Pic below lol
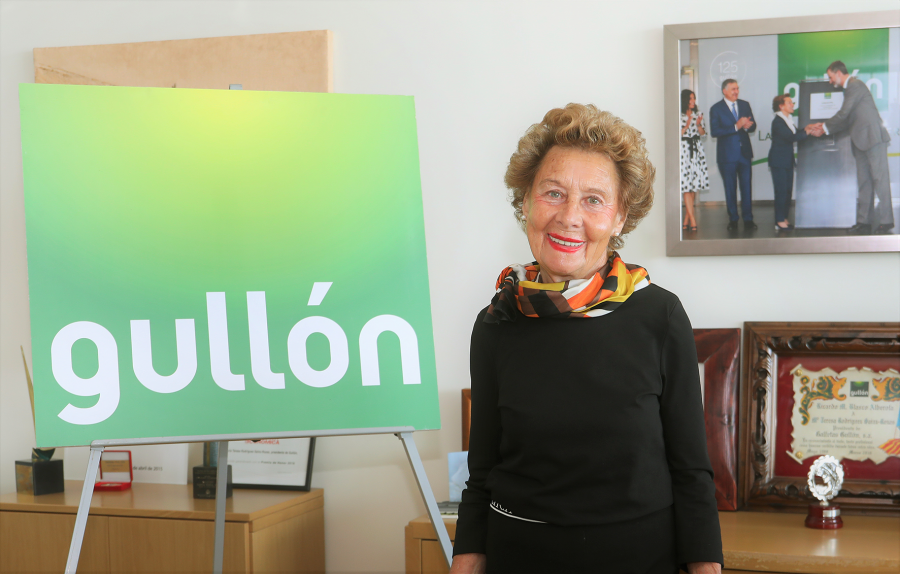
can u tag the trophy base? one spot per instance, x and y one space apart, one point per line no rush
824 517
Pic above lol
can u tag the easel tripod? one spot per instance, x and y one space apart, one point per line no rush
405 434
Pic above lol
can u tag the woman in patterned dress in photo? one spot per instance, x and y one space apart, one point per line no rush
694 175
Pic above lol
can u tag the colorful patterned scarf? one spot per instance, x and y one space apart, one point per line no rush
517 287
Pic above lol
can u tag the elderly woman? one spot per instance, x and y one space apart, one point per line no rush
587 450
781 158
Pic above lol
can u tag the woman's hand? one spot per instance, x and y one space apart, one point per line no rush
470 564
700 125
704 568
687 123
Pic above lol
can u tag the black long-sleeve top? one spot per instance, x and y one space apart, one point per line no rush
781 152
591 421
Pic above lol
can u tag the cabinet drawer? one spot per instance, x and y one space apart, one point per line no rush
39 542
153 545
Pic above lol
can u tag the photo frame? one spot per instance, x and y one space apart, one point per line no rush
718 351
715 240
272 464
777 356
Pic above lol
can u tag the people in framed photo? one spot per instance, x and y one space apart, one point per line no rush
818 171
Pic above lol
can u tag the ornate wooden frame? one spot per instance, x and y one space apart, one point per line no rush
719 351
764 343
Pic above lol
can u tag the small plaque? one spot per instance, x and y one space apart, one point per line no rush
205 482
115 470
108 466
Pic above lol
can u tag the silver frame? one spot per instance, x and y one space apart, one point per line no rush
672 35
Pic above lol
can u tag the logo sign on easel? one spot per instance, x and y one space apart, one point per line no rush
218 262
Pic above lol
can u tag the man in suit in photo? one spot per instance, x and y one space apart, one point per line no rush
731 120
869 140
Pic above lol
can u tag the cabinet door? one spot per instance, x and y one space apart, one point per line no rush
154 545
39 542
433 561
295 545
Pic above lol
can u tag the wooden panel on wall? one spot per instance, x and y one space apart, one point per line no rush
293 545
290 62
154 545
32 541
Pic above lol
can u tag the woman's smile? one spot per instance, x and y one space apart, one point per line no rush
565 244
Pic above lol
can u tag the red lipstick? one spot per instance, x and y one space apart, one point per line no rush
561 246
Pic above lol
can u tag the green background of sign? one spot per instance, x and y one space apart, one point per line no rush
139 201
808 55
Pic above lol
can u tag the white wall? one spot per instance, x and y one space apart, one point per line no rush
481 73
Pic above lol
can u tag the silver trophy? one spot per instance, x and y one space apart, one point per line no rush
825 515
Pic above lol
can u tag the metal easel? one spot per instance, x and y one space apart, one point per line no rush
405 434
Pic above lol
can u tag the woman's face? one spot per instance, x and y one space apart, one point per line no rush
692 102
571 212
787 106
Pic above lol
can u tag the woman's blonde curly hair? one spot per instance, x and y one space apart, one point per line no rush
590 129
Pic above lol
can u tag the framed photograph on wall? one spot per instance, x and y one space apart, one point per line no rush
813 389
728 186
718 352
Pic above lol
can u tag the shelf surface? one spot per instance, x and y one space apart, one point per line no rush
779 542
162 501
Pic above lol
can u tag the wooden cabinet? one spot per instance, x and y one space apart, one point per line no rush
162 528
752 542
33 542
423 551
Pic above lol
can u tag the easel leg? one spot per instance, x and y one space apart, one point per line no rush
84 508
221 497
425 489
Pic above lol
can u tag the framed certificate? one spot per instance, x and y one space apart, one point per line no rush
812 389
275 464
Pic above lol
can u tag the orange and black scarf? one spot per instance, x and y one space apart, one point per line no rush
517 288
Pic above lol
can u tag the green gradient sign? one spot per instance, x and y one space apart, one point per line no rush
808 55
215 262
